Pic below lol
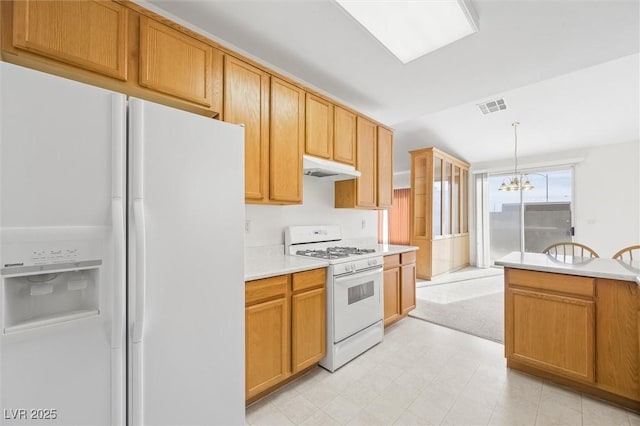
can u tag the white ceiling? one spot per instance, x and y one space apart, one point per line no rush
568 70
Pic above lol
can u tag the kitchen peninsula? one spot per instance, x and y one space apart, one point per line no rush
575 321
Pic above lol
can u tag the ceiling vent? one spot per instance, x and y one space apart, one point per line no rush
492 106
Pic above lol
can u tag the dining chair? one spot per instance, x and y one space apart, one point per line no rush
628 253
570 249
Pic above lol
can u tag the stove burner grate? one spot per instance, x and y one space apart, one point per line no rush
334 252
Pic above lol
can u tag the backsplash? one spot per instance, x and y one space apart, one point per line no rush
266 223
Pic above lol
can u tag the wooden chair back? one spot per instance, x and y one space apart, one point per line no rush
628 253
570 249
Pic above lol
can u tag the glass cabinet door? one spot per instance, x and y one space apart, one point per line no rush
419 197
464 201
455 201
446 199
436 214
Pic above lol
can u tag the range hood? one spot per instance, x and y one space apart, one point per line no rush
328 170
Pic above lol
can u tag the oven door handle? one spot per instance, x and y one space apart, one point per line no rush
360 273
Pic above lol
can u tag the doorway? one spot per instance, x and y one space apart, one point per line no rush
547 212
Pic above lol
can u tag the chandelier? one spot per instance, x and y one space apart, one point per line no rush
513 184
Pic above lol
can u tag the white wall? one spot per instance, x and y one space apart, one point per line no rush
267 223
607 198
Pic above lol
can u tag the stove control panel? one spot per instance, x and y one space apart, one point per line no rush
354 266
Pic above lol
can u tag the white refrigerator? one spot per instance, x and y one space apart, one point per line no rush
121 255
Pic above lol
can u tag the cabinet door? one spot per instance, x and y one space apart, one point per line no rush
617 358
366 163
385 167
553 333
267 345
286 142
436 196
308 335
344 142
408 288
88 34
319 127
391 295
246 101
174 63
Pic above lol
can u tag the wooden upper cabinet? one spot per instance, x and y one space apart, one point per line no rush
246 101
366 156
286 142
177 64
385 167
88 34
374 160
319 127
344 139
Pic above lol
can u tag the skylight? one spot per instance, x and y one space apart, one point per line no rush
412 28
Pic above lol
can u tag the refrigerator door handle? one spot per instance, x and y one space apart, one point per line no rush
117 334
118 103
136 141
118 228
140 261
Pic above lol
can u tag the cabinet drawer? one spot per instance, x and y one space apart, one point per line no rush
408 257
569 284
309 279
265 289
391 261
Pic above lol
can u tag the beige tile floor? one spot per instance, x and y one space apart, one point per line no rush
424 374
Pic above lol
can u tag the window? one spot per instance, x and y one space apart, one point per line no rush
547 212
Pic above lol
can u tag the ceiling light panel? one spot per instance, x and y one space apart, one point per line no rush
412 28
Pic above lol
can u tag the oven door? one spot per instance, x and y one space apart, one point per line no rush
357 302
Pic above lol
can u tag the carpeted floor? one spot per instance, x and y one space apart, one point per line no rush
474 306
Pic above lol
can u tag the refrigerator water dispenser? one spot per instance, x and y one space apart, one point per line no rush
40 299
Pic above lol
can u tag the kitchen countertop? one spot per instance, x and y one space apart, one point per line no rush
597 268
388 249
265 262
270 261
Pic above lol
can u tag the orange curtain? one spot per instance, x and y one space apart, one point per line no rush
398 216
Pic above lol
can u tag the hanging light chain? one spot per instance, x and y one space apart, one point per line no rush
515 125
515 183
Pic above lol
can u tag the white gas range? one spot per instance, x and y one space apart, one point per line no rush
354 290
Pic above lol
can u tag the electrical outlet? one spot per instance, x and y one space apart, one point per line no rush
247 226
364 223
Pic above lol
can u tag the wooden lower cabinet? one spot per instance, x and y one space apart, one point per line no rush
580 331
308 318
285 328
399 286
407 283
554 332
267 324
617 331
267 343
391 292
308 321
